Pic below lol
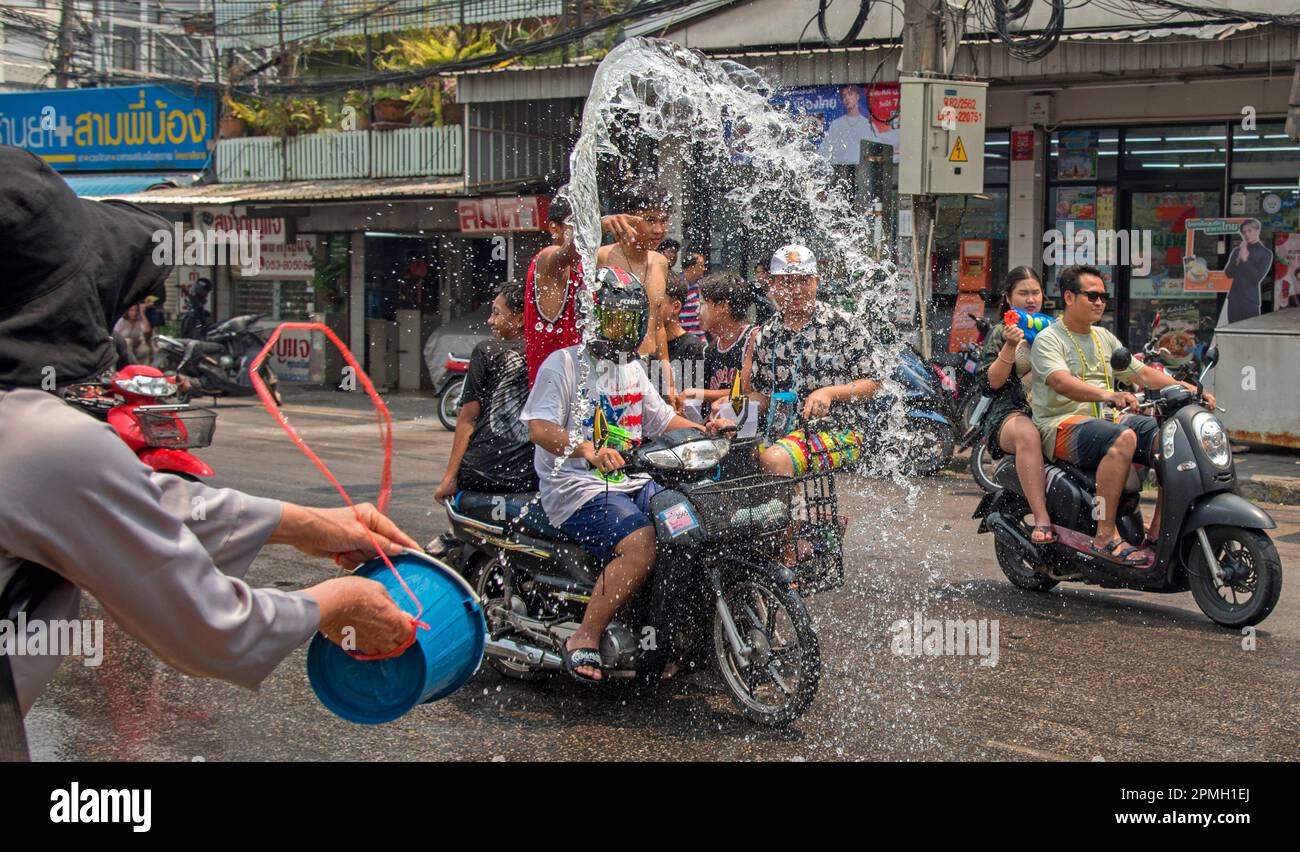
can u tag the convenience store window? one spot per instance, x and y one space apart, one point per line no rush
1265 163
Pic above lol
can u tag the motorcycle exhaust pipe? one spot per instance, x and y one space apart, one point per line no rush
1001 526
517 652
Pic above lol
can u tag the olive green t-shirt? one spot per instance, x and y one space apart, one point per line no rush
1057 348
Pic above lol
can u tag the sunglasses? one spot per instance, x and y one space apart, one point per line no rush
1094 296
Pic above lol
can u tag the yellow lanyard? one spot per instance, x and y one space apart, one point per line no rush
1105 368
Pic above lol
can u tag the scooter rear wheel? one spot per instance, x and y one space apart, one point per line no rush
1253 568
449 404
1019 572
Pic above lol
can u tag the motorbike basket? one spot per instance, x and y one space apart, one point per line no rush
744 507
179 429
819 533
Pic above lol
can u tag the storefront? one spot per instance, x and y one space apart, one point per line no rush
1149 182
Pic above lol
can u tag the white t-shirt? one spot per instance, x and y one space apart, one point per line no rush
629 401
843 140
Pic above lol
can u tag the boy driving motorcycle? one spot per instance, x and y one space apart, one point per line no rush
579 391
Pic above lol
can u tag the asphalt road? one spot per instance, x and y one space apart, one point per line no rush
1081 673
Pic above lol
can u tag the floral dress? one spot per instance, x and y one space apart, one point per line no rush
1012 397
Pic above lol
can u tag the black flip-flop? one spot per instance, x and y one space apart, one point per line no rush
1123 557
585 658
1049 530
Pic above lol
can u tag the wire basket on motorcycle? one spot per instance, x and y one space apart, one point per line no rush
177 428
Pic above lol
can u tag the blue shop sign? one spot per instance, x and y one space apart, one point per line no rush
117 128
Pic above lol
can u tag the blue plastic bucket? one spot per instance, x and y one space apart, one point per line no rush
443 658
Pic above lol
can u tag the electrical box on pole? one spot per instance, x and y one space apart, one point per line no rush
941 136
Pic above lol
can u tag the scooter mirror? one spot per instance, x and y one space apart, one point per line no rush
1121 358
1211 356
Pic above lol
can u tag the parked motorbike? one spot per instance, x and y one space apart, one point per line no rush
1212 540
161 434
930 413
719 588
450 389
218 365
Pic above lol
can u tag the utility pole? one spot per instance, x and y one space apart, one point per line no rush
922 56
66 45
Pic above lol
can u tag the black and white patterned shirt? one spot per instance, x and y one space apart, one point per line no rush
832 349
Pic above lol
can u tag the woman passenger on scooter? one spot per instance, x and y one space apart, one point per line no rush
1007 426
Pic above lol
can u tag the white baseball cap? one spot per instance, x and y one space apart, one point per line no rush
793 259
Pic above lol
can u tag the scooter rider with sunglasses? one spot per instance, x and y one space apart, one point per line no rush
1082 416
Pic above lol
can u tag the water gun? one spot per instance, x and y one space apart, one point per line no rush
603 435
1029 323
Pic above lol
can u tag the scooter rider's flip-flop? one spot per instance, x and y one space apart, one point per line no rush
1123 557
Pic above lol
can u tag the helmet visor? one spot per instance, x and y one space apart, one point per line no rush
620 325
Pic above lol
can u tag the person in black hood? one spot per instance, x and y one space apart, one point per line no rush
79 511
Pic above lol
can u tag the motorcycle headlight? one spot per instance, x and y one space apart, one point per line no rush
1209 431
1167 439
695 455
147 386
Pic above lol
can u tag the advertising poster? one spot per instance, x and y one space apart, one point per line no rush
1249 260
838 119
1286 270
1076 155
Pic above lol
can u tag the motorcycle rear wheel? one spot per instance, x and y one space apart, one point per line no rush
1252 558
772 620
979 461
449 404
487 579
932 450
1021 574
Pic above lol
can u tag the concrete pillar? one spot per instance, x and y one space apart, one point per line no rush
1025 216
357 298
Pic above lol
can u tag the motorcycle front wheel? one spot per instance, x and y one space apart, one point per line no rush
1251 582
449 404
778 679
932 448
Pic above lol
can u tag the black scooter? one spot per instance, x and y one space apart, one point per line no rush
1212 540
719 589
218 365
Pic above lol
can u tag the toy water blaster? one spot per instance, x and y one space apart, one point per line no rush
1029 323
607 436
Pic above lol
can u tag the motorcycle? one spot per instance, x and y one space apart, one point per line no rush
450 389
161 435
719 588
929 411
218 365
1212 540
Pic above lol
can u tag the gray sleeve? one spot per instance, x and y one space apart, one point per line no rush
75 499
231 526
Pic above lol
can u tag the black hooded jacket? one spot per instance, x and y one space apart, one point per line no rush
69 269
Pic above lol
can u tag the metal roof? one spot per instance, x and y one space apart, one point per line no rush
100 186
304 191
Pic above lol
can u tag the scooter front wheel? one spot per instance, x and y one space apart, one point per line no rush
1251 579
449 404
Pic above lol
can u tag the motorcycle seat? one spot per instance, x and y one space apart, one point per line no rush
1088 478
501 510
208 348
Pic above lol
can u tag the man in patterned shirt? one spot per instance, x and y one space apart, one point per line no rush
812 365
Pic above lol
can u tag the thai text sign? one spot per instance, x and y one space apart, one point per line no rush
117 128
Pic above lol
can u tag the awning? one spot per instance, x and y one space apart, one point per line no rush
300 191
103 186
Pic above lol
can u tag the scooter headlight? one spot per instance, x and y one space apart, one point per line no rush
1167 439
147 386
695 455
1209 431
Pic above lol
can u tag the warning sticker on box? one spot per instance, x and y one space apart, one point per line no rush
679 519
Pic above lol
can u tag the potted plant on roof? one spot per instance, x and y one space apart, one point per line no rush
390 106
237 119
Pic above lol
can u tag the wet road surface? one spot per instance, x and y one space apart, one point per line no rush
1081 673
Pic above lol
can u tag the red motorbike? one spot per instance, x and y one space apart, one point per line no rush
160 433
